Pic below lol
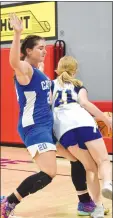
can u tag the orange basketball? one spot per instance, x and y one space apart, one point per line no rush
103 128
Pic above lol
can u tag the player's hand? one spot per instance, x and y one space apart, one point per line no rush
109 123
16 23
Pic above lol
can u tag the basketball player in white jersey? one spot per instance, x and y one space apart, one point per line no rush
73 124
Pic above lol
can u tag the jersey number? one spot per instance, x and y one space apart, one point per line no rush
65 97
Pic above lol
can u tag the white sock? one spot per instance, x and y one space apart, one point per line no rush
107 183
99 204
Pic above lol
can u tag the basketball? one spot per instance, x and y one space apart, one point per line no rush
103 128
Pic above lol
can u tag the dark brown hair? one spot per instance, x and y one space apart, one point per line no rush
29 42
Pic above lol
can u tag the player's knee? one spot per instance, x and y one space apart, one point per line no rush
100 161
41 182
51 171
91 168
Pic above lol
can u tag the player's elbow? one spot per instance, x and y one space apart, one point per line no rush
84 103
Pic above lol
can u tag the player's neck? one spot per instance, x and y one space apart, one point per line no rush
32 62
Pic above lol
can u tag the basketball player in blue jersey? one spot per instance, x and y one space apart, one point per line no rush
74 126
35 117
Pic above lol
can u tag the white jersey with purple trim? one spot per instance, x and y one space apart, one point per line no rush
68 114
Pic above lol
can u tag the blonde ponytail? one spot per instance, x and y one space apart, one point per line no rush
67 68
65 77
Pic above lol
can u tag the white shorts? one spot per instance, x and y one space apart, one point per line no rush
40 148
69 117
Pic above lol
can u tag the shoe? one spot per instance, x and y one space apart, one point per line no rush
2 198
85 209
6 208
107 191
98 212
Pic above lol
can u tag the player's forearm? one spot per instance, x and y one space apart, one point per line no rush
92 109
14 57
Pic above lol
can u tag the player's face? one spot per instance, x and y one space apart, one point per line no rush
39 51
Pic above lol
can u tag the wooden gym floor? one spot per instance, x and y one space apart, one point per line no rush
57 200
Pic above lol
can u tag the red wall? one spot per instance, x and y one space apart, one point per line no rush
9 107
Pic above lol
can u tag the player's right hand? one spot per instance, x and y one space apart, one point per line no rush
16 23
109 123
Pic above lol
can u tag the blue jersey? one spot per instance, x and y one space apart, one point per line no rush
34 102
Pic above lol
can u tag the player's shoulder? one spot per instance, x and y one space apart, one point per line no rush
78 88
54 83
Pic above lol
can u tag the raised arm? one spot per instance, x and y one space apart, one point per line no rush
23 70
92 109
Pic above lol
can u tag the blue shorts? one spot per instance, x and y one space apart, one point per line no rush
79 136
36 136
